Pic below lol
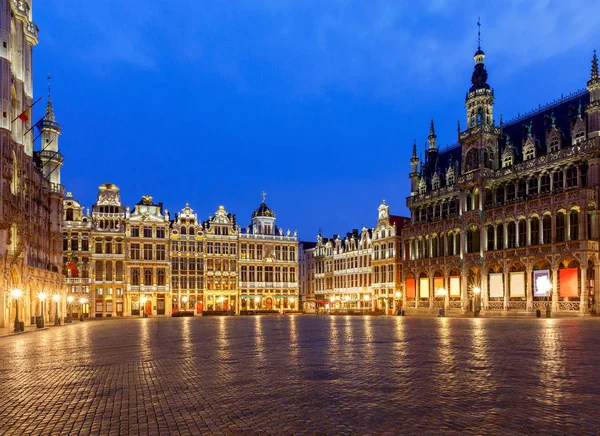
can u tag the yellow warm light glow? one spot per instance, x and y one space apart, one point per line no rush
70 299
332 298
477 290
42 296
83 300
441 292
184 299
398 294
56 298
367 297
257 299
16 293
292 300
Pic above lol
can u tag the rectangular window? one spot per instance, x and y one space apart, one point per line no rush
99 271
147 232
135 232
99 291
161 252
160 233
135 251
99 308
98 248
108 248
119 248
85 245
119 271
147 251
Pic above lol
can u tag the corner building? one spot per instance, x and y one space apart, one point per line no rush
509 203
30 187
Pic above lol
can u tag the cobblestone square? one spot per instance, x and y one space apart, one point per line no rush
303 375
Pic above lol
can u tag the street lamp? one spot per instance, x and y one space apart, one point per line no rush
544 286
477 301
143 302
16 294
398 296
70 314
42 296
56 299
442 293
184 299
82 301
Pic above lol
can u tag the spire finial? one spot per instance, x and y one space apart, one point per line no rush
431 128
264 196
49 77
594 74
414 148
478 33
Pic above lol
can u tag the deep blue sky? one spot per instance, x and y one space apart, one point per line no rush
316 102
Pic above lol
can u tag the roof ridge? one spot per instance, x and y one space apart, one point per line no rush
540 108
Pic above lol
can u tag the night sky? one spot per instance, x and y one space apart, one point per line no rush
316 102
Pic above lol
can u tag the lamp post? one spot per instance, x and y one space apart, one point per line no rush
544 285
476 301
184 300
16 294
398 296
56 299
70 313
292 301
143 303
442 293
42 298
256 301
82 302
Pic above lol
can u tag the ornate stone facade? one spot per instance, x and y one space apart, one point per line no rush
131 262
509 203
359 273
31 206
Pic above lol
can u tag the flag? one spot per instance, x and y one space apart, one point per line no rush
72 267
39 124
24 116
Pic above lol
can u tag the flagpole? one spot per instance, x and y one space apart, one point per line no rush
32 105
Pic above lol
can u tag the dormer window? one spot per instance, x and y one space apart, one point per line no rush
579 136
554 145
529 153
422 186
450 177
436 182
507 161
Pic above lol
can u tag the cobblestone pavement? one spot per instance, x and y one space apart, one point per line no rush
303 375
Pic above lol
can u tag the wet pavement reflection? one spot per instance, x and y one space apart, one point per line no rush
303 375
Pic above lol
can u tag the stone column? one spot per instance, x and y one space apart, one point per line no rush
528 230
529 273
485 294
464 291
584 289
568 225
431 291
505 279
541 232
495 236
555 289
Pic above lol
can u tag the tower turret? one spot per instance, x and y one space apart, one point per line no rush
263 219
414 172
592 109
432 136
480 98
50 158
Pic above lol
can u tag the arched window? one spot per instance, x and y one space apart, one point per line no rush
500 195
522 233
547 229
560 227
511 230
192 232
574 225
545 183
183 230
69 214
535 230
472 159
490 238
500 236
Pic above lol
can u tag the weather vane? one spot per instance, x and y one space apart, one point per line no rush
264 196
49 77
478 33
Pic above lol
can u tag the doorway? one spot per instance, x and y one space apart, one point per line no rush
148 307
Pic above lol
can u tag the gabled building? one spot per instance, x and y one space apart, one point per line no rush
148 265
187 263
